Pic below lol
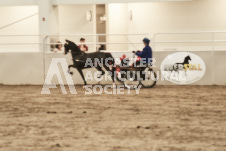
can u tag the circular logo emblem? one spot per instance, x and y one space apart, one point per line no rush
183 68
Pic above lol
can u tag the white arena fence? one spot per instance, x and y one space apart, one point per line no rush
175 41
32 54
20 43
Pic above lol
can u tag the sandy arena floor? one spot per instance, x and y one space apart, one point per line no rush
166 118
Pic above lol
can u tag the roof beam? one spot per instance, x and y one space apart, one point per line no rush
18 2
69 2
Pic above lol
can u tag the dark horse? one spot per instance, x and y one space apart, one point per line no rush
80 60
180 66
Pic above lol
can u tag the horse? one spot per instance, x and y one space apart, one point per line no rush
80 61
180 66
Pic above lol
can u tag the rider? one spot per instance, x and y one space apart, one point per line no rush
146 54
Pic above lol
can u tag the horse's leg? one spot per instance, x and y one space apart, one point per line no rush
69 69
81 73
101 70
111 72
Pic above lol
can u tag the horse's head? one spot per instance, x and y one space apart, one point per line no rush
69 45
188 58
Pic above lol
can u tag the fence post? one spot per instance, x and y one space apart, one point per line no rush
213 59
44 57
97 41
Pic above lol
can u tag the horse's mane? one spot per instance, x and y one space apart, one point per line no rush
186 59
74 47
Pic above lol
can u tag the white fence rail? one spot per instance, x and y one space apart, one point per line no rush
20 43
95 40
190 41
171 41
31 68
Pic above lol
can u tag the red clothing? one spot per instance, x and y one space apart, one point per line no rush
83 46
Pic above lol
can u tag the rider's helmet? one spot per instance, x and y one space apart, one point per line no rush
146 40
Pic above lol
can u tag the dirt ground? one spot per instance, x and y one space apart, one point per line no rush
165 118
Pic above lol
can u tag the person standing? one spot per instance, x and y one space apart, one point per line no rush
58 47
82 46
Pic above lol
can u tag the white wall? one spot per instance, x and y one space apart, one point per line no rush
100 25
30 26
117 23
66 2
18 3
158 17
197 15
21 68
150 17
28 68
72 20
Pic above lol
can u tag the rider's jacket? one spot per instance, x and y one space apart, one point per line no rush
145 54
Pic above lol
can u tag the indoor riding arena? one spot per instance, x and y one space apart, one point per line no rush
110 75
